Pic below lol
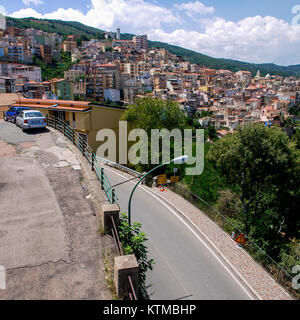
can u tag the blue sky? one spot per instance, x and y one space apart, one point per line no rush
256 31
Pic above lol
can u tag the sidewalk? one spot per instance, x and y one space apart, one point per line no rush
261 284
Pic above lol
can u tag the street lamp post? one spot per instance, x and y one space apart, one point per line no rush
178 160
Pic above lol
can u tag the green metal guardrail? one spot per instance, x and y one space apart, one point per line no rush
87 152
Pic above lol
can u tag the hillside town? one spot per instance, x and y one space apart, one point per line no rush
147 170
116 71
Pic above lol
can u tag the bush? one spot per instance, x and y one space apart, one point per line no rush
133 240
229 203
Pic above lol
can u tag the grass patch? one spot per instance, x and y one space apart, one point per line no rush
109 274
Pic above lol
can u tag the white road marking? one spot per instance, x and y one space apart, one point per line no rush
195 234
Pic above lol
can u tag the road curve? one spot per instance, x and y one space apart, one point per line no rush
185 267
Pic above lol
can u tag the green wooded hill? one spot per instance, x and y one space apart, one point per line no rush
71 27
63 28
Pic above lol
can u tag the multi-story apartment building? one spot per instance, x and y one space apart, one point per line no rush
68 46
15 53
94 86
141 42
2 22
80 89
32 73
244 77
124 44
99 80
62 88
160 81
73 75
46 53
136 69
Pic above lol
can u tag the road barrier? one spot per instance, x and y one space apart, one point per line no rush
87 152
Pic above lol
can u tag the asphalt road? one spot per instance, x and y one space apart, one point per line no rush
185 268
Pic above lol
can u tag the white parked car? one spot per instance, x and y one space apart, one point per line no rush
31 119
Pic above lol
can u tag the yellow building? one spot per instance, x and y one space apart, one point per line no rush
68 46
86 118
208 89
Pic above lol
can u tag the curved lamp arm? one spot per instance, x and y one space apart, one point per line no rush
178 160
146 174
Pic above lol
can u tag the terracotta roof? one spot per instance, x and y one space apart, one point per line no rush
61 108
57 80
52 102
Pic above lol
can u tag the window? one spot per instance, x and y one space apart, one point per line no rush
34 114
60 115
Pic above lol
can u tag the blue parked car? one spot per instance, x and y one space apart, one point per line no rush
13 112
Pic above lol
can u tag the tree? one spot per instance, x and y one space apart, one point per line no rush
212 133
83 37
229 203
152 113
262 164
296 137
207 185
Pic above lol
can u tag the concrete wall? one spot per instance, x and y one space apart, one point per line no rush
3 109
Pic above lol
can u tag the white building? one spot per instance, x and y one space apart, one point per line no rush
30 72
2 22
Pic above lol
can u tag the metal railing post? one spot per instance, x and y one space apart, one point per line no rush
113 195
83 147
73 135
55 123
93 159
64 128
101 178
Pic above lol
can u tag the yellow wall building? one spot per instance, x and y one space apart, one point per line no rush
86 118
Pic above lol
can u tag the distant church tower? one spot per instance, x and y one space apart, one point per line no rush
258 75
118 34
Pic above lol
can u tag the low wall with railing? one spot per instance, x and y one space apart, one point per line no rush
87 152
125 266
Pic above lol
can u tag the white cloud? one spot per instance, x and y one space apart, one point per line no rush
194 8
133 16
35 2
2 10
23 13
254 39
